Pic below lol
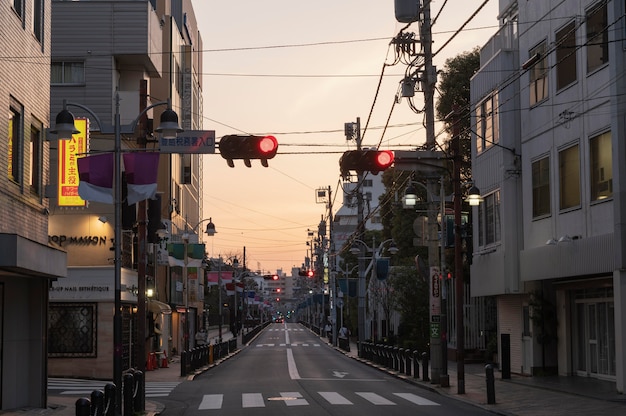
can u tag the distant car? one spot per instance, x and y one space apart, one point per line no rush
279 320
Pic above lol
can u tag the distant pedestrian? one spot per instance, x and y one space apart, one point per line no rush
328 330
201 337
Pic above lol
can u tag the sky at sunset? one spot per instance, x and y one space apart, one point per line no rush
299 71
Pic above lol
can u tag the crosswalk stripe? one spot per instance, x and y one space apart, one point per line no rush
375 399
252 400
334 398
211 402
413 398
294 399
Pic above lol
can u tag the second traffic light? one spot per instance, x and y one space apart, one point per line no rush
247 148
368 160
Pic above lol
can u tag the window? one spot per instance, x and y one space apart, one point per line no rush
72 329
38 19
487 129
34 168
368 183
597 37
489 220
18 6
14 143
566 56
67 73
541 187
601 166
539 74
569 177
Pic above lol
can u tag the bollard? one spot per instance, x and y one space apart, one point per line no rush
127 398
425 366
109 399
416 364
97 403
83 407
183 363
491 387
401 360
139 403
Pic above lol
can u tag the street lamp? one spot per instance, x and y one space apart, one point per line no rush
362 272
210 231
64 129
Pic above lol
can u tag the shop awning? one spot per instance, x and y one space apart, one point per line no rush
155 306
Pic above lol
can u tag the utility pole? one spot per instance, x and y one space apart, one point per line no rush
360 230
428 86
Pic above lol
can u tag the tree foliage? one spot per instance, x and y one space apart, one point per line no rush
454 96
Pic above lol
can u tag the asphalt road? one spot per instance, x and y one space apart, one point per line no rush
287 370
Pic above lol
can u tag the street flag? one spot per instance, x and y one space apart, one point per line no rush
213 278
141 175
239 287
230 289
96 178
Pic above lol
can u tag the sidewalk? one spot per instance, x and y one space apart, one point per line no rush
523 396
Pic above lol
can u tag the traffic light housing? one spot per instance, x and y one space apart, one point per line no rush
368 160
247 148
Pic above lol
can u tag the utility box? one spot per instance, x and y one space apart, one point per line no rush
407 11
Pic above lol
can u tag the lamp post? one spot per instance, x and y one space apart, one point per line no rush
210 231
362 273
64 128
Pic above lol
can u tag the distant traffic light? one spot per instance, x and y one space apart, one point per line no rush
369 160
247 148
275 277
310 273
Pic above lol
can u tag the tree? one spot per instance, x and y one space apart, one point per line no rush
454 95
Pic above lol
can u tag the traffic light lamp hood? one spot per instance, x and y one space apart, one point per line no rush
247 148
365 160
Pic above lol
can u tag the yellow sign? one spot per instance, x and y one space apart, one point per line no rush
69 152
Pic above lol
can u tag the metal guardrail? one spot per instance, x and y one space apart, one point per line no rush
403 360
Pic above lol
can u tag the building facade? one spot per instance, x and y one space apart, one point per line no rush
547 156
131 54
27 262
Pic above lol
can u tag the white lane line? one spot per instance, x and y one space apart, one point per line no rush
211 401
294 399
252 400
376 399
413 398
334 398
291 364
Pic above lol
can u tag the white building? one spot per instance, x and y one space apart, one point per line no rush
548 112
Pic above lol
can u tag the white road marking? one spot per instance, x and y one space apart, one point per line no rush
334 398
376 399
413 398
291 365
252 400
211 401
295 399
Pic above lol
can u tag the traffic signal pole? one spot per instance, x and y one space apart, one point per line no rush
361 262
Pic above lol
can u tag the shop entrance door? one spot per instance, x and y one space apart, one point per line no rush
595 338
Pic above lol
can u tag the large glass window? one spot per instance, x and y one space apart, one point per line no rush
14 143
601 166
489 220
566 56
487 128
539 74
541 187
569 177
597 37
67 73
34 168
38 19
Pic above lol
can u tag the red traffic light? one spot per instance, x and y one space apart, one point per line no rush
247 148
368 160
310 273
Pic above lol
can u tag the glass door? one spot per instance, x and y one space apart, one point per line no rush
595 338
